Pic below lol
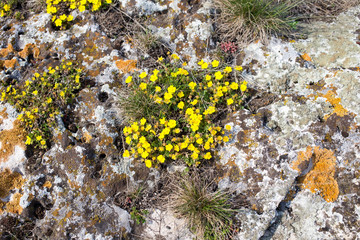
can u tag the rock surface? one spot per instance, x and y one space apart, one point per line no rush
78 188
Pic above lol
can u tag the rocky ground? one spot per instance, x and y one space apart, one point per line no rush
294 162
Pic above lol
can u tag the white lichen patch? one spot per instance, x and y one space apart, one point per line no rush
163 223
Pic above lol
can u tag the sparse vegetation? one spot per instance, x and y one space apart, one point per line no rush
40 99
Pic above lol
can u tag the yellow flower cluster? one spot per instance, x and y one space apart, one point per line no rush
4 9
60 19
183 125
41 98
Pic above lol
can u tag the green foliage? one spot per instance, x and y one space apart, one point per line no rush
208 214
40 99
173 112
138 215
250 20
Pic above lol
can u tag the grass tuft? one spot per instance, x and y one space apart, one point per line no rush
208 213
246 21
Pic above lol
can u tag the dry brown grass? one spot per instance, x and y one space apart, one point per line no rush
310 9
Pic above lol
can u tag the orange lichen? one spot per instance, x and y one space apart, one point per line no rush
335 102
47 184
8 181
306 57
5 51
9 139
14 205
11 63
126 65
30 48
321 177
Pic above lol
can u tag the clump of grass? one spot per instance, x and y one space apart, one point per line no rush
208 213
40 99
172 112
246 21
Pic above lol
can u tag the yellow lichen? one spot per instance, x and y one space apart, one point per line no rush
321 177
335 102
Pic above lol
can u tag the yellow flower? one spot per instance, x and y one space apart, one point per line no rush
43 142
207 155
204 65
162 121
70 18
161 158
35 92
201 62
142 75
28 140
169 147
37 75
180 105
218 75
228 127
230 101
108 1
157 89
82 8
126 153
168 96
171 89
238 68
148 163
194 156
209 84
194 102
160 59
143 121
172 123
243 87
174 56
180 94
192 85
143 86
144 154
207 77
128 79
153 78
2 13
234 86
7 7
228 70
63 17
226 138
58 22
62 94
215 63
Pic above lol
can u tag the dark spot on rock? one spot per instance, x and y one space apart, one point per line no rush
103 96
344 134
102 156
36 210
73 128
